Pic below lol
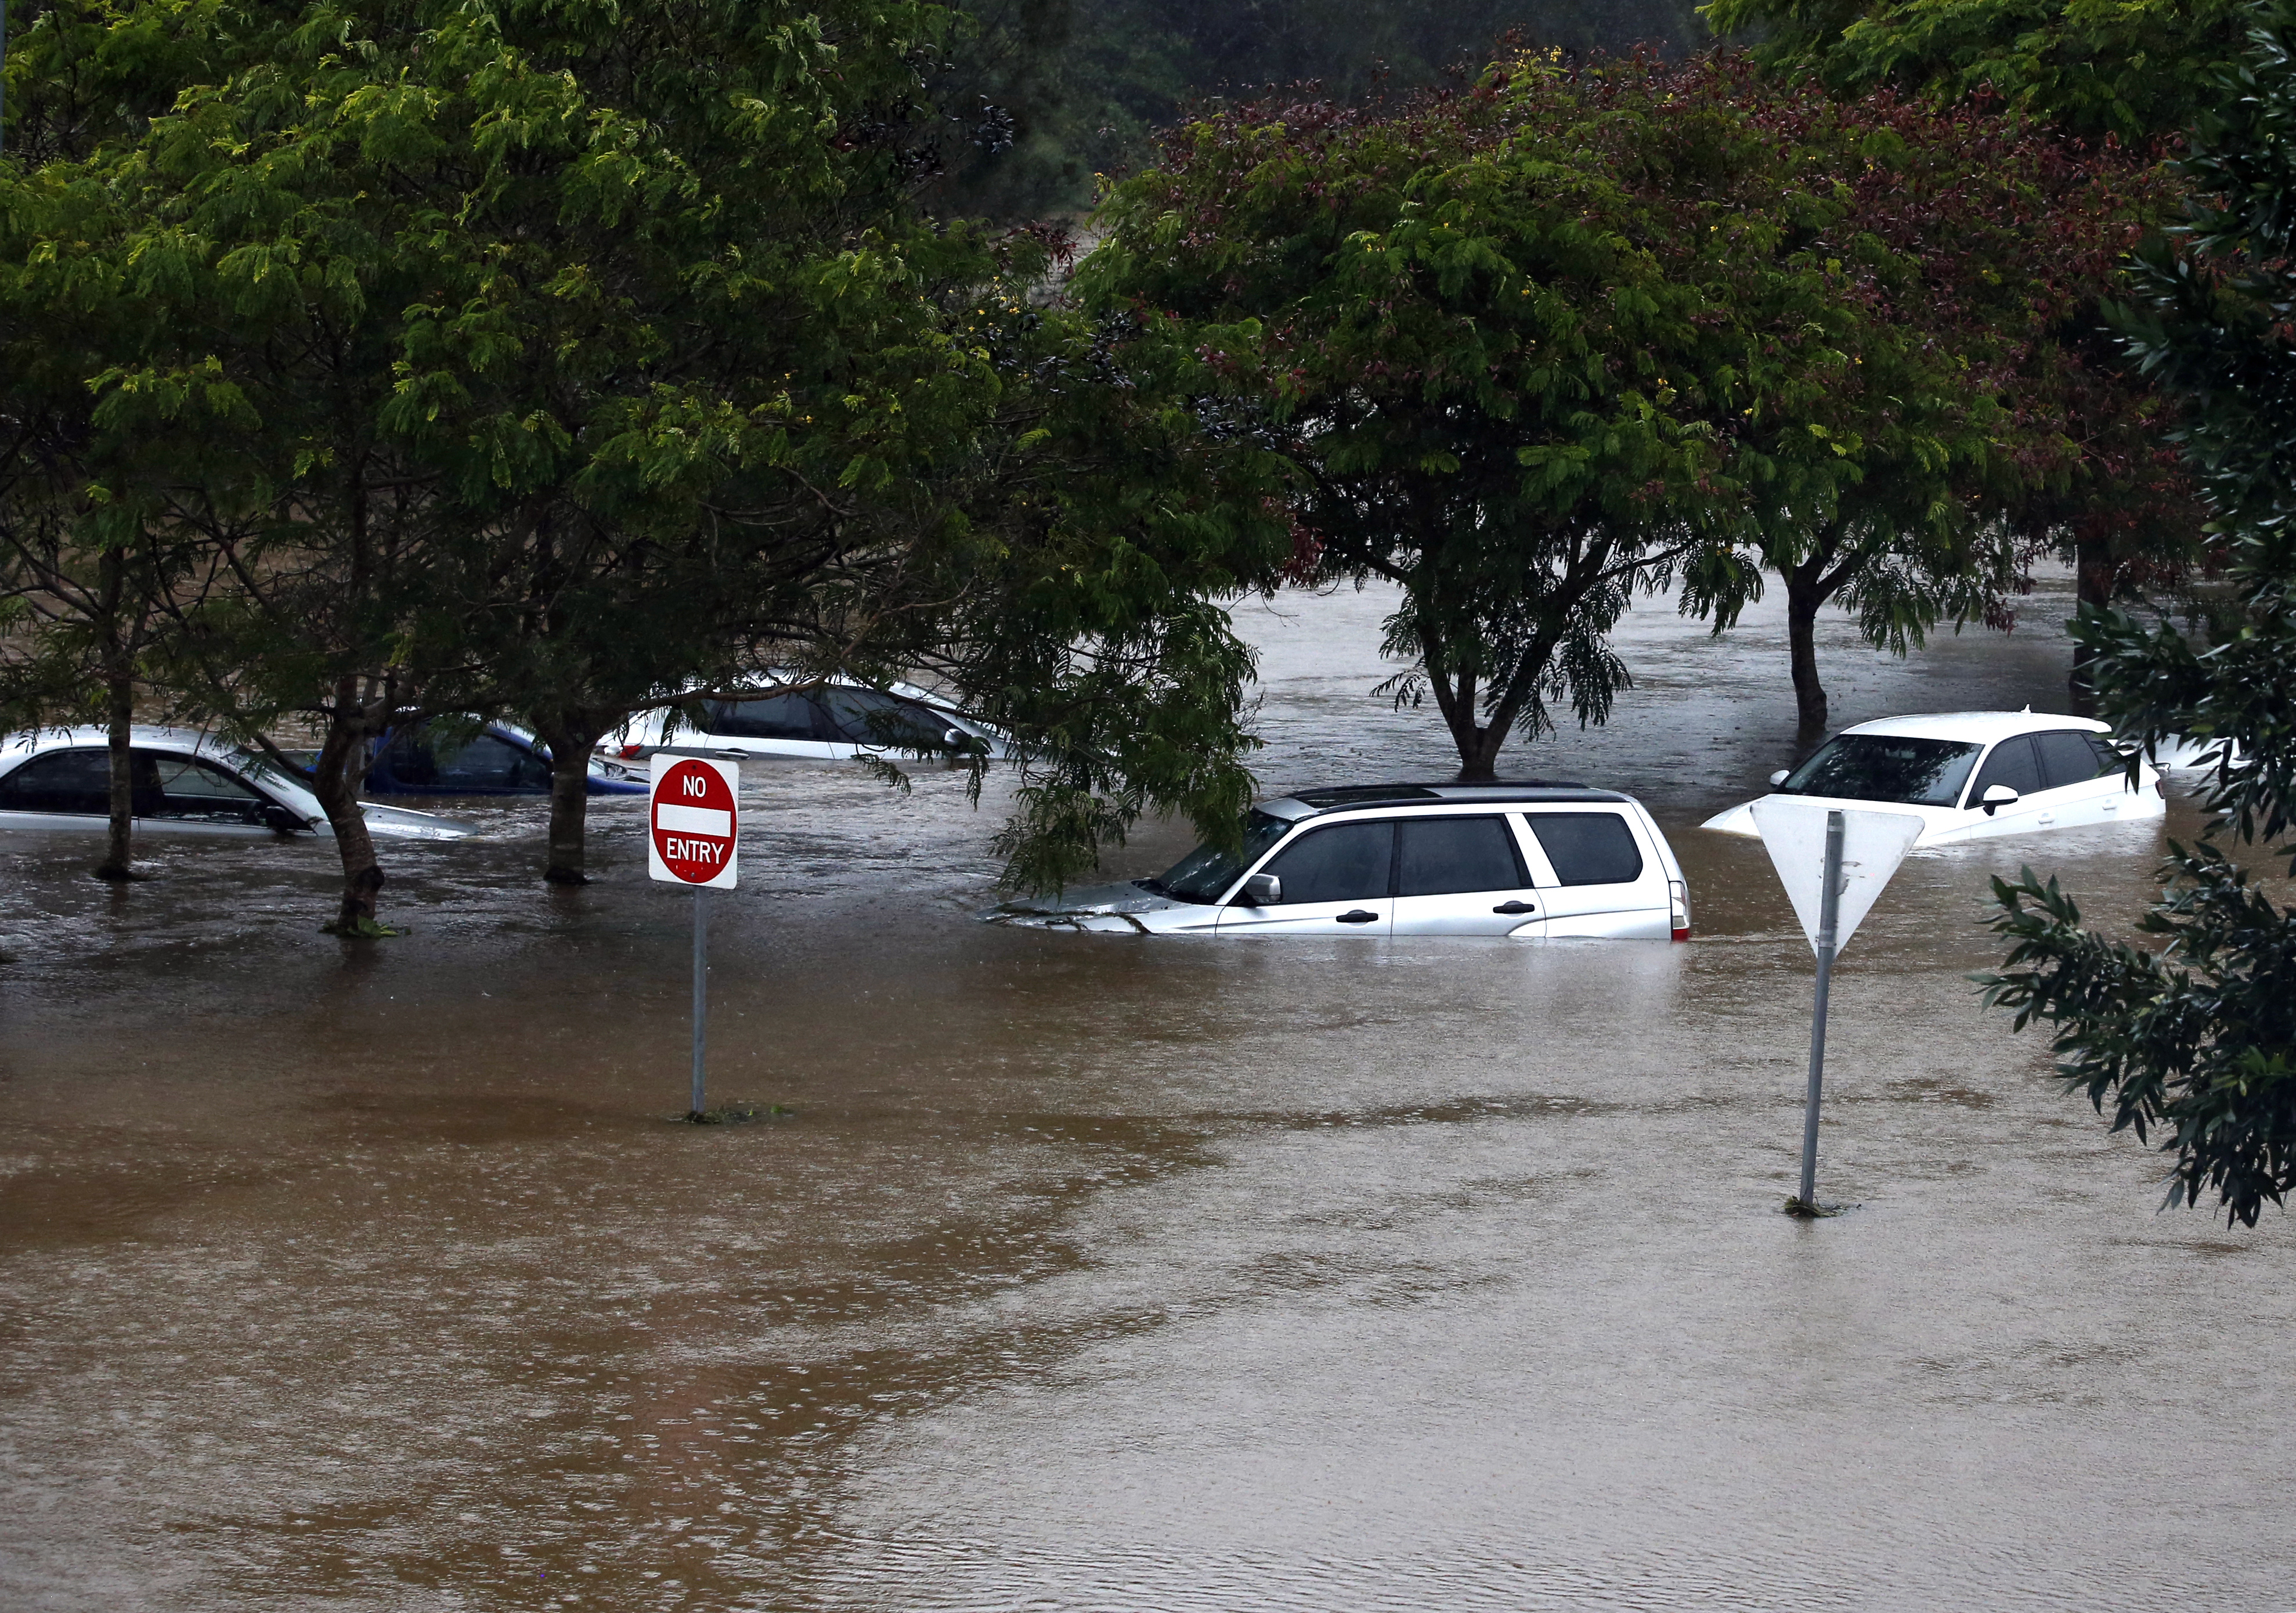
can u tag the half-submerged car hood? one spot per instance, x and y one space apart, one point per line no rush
384 823
1108 907
1739 819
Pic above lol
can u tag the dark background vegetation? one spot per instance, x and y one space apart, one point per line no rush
1048 94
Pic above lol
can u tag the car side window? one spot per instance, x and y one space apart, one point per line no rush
870 716
487 761
62 781
1345 862
1588 848
1446 856
2012 763
2069 758
192 788
774 716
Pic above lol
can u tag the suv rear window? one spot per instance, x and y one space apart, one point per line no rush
1588 848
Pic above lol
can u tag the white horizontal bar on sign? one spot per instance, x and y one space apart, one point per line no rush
693 819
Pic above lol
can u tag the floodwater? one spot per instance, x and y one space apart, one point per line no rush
1107 1274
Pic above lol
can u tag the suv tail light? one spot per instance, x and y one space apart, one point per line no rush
1678 895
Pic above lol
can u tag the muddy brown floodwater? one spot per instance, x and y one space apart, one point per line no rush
1100 1273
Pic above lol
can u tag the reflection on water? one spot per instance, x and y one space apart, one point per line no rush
1098 1272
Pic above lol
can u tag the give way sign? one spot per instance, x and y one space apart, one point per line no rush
691 830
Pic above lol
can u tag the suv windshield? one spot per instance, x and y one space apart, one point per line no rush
1885 767
1204 874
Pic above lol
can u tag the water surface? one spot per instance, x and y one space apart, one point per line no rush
1106 1273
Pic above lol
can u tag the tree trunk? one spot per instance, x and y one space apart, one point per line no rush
1479 763
341 770
1803 597
571 738
2093 580
119 715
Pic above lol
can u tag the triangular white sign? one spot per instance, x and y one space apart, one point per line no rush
1873 845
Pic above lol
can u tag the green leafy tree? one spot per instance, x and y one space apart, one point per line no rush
1587 332
544 359
2190 1041
2135 69
2123 77
1970 418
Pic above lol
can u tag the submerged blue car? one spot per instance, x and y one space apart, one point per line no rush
424 758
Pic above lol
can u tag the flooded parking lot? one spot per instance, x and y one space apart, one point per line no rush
1095 1272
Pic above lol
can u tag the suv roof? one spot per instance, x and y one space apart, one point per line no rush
1351 797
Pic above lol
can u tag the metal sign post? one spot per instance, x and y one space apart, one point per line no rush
1834 861
700 995
1829 913
694 837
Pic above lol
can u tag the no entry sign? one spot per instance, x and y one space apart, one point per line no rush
692 831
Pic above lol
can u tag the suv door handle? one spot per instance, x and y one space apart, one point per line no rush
1516 907
1358 917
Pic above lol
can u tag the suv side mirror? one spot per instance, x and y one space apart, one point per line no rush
1996 796
281 821
1261 890
1778 778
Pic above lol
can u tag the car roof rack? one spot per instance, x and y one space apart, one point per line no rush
1337 797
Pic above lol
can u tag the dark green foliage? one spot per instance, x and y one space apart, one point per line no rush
2138 69
547 356
2196 1041
1584 331
2192 1046
1103 78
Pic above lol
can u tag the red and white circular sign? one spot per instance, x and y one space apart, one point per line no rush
692 820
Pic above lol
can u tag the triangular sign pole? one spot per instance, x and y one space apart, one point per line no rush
1861 849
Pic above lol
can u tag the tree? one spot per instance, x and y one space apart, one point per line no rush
2192 1040
548 359
2124 79
2136 72
1970 415
1588 330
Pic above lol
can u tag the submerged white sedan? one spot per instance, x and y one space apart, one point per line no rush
1971 774
183 783
833 720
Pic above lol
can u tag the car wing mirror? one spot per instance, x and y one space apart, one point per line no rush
1779 777
1996 796
1261 890
279 819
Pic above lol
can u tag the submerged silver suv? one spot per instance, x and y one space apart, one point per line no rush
1534 860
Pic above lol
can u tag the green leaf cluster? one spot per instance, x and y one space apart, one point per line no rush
2135 69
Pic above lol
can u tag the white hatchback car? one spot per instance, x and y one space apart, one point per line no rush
1534 861
1971 774
835 721
59 780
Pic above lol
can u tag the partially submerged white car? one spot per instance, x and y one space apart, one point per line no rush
835 720
1971 774
59 780
1535 860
